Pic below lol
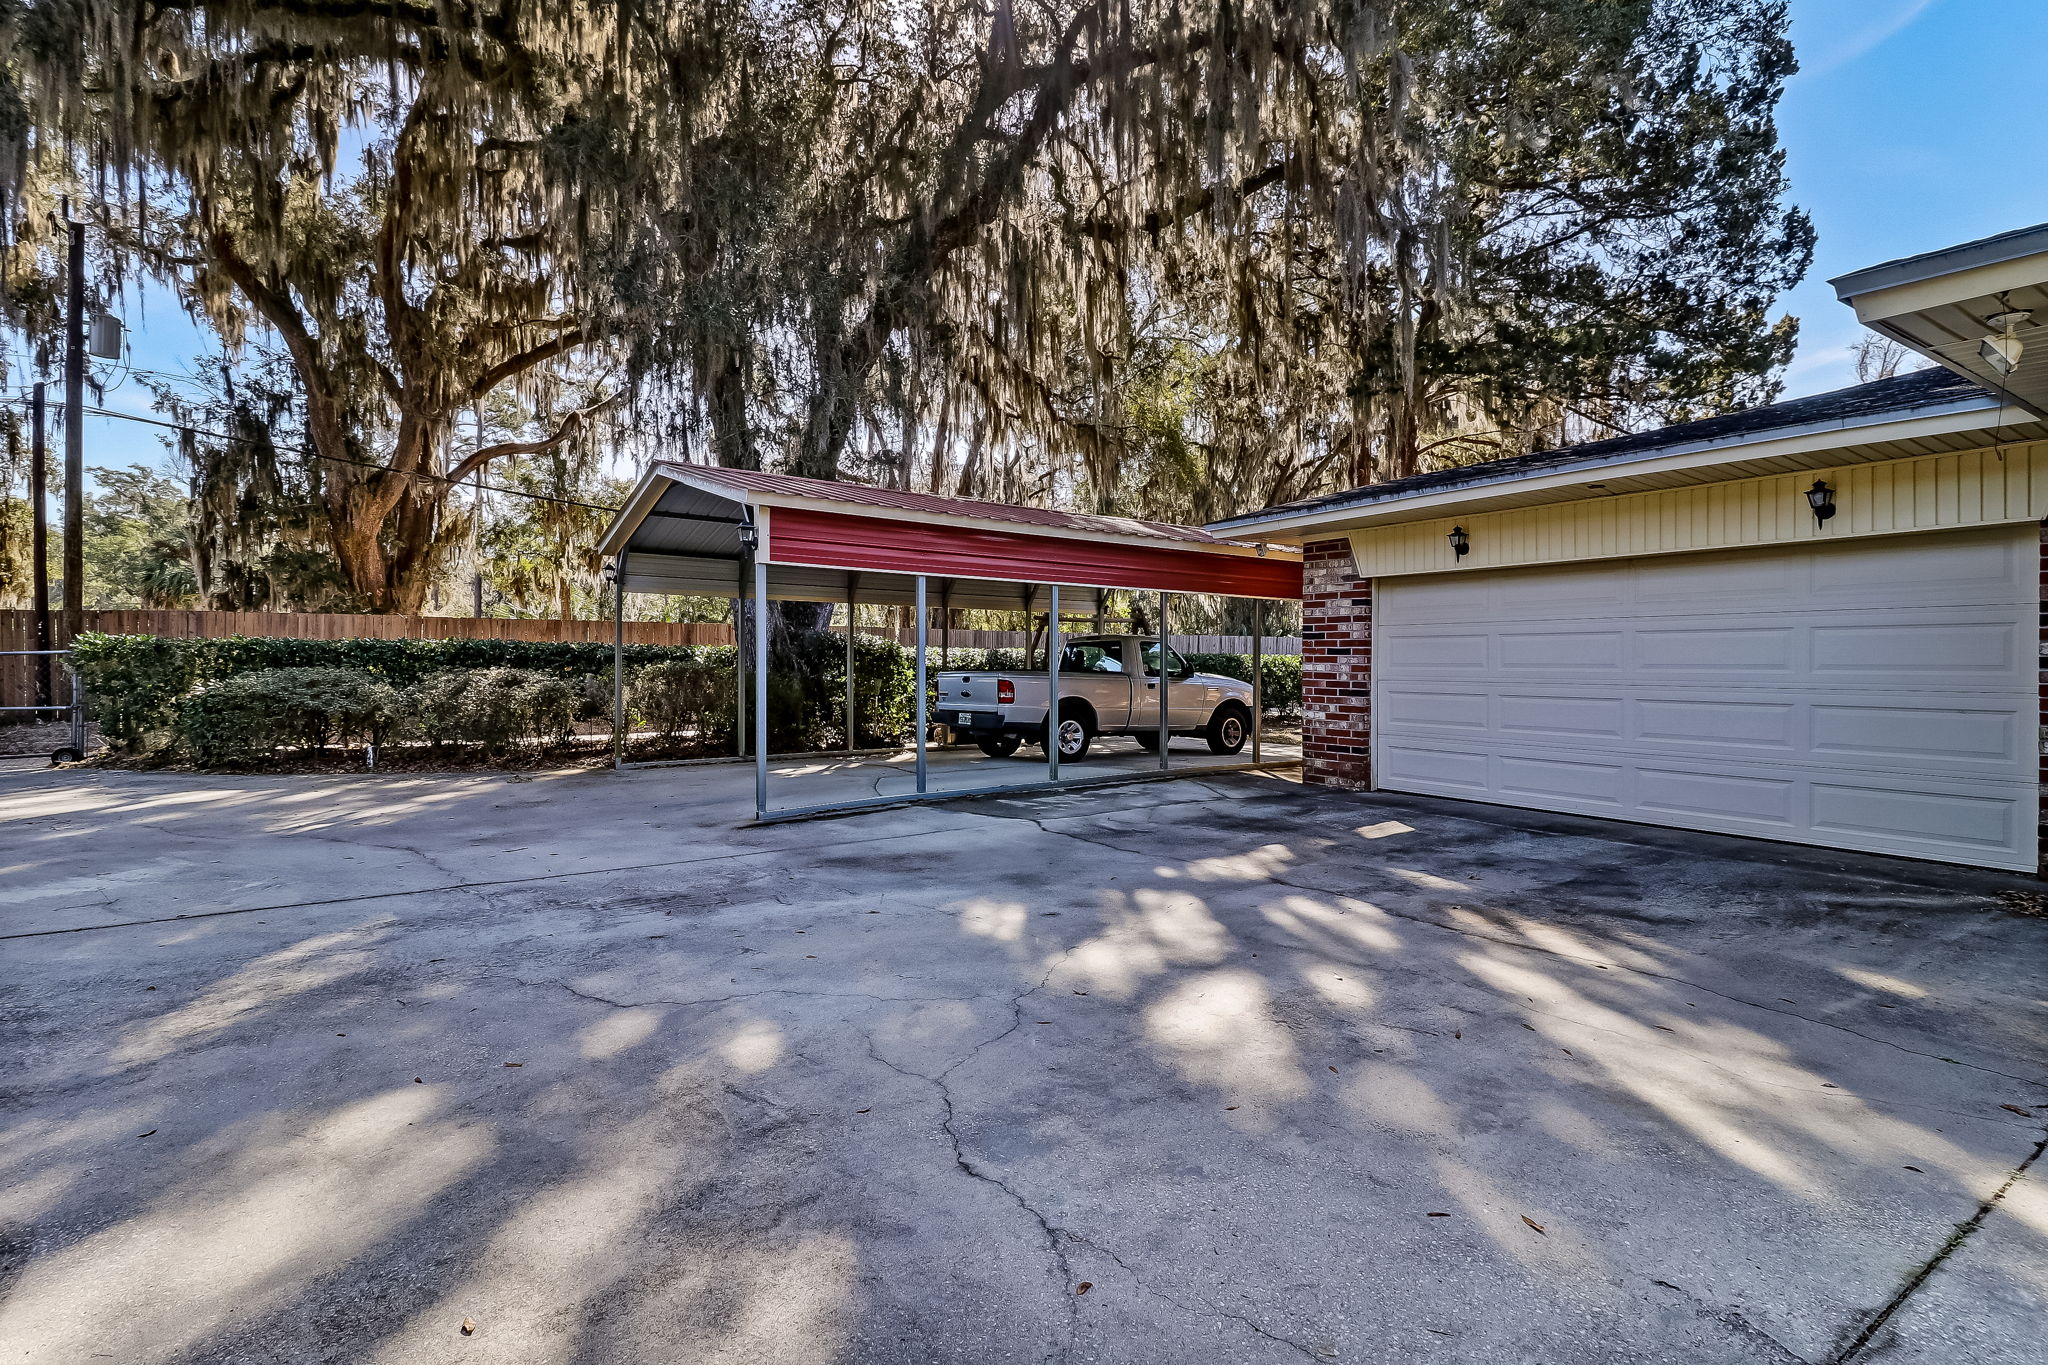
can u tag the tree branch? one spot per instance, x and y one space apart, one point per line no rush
559 344
571 424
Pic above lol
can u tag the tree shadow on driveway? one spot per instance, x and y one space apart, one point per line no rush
1276 1073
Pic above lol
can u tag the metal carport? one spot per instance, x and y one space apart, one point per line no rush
748 535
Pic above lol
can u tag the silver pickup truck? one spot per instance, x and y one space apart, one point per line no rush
1109 685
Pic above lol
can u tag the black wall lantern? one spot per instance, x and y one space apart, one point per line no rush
1461 544
1821 499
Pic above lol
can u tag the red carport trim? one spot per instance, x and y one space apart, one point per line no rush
836 541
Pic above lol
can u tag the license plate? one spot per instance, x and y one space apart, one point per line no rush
968 720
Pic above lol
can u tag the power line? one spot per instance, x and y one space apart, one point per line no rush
313 454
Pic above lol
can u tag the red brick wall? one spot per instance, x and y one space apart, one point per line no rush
1336 669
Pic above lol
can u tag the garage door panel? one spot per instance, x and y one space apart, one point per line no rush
1956 648
1439 602
1725 796
1970 569
1461 772
1436 652
1667 587
1986 821
1429 707
1579 716
1603 784
1555 649
1718 649
1818 693
1762 726
1918 734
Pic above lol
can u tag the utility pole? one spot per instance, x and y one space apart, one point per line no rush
74 441
39 535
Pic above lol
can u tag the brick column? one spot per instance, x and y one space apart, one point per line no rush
1336 669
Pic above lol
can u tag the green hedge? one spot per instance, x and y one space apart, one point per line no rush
1282 687
232 701
134 682
252 715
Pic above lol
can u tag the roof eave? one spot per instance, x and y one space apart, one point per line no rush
1932 265
1926 420
639 503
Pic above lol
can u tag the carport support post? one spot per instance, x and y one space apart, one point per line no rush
619 660
1165 684
851 581
1258 671
917 711
1052 688
760 616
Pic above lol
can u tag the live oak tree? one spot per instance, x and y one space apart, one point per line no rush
992 248
363 181
1168 258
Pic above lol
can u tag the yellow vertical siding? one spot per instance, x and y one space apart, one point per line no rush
1931 493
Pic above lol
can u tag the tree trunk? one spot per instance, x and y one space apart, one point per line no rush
732 435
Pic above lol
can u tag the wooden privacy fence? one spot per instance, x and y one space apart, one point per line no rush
213 625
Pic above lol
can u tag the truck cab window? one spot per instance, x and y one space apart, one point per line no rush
1175 665
1090 659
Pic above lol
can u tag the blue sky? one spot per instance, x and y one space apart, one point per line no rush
1909 127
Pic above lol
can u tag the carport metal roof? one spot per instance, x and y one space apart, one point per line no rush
682 531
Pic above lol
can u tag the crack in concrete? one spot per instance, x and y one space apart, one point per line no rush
1201 1306
1956 1239
1734 1319
1540 950
940 1084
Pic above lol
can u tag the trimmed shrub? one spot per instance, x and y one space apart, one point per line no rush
493 707
1281 690
252 714
695 697
133 682
807 692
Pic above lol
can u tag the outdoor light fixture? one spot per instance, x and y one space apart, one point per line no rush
1821 499
2001 351
611 571
750 539
1461 544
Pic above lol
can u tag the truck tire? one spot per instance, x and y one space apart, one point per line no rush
999 746
1075 734
1230 725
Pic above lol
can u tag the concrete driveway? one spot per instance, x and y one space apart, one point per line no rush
571 1069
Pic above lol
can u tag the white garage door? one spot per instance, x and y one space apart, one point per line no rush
1873 694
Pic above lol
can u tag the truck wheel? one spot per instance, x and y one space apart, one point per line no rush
1229 726
999 746
1075 736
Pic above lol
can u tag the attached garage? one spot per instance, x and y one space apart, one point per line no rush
1874 695
1818 621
